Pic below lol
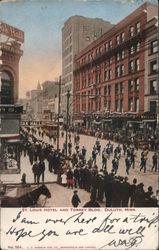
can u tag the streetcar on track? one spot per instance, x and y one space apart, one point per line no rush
50 128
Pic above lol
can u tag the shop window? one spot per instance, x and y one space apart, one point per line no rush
10 156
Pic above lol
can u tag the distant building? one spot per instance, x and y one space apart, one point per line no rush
36 103
78 32
50 98
41 103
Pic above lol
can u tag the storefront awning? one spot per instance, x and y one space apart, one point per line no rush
12 140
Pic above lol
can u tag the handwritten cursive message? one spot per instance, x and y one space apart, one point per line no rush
60 228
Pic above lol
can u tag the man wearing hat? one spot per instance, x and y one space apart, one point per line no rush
139 196
154 161
132 192
92 202
127 164
75 199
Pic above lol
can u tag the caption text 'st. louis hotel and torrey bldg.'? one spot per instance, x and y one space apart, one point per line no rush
110 73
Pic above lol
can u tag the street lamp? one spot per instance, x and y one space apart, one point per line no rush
58 117
67 119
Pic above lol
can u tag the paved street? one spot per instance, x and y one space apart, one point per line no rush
64 199
149 178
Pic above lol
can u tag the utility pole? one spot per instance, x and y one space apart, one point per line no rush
67 119
58 118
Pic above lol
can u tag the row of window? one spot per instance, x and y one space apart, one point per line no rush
133 49
118 106
133 105
118 56
119 72
133 85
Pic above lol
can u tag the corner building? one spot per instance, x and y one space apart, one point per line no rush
109 74
10 111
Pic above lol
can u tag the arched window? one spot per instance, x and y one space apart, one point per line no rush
6 88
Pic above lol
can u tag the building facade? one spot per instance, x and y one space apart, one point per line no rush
10 111
78 32
110 73
151 78
41 103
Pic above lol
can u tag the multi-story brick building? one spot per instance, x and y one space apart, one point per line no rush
10 111
110 72
78 32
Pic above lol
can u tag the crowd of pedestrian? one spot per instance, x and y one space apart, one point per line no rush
39 152
77 172
116 190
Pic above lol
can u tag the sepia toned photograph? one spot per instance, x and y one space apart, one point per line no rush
79 104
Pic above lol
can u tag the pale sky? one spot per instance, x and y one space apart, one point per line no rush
42 21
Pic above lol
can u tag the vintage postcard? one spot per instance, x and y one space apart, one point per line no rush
79 124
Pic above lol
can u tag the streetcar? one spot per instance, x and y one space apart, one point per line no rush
50 128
